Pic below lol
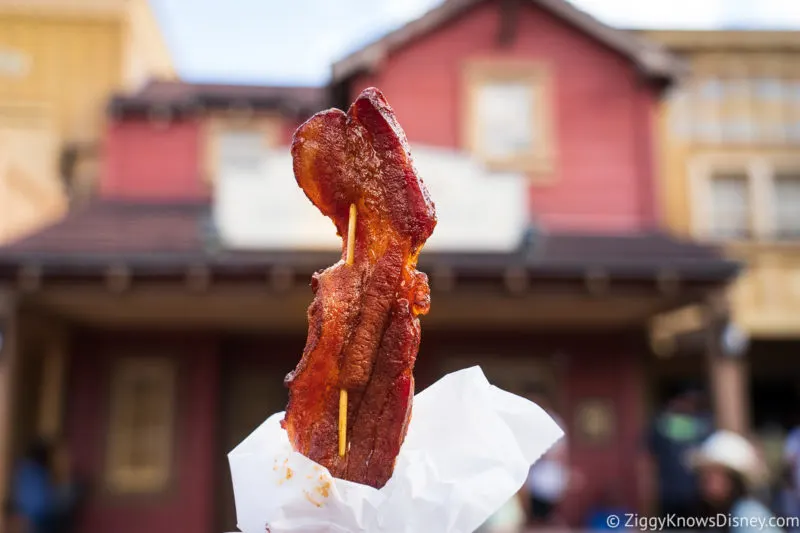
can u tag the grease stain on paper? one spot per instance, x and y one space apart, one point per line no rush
284 471
324 489
312 500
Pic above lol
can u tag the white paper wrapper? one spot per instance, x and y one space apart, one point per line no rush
468 450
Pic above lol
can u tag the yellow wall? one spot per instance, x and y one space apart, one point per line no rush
59 64
146 53
73 66
766 297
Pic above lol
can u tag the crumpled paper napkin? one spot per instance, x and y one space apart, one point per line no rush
468 450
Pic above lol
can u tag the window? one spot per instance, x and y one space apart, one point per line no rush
141 424
680 112
742 197
730 206
238 144
504 122
787 205
241 152
507 124
738 107
712 89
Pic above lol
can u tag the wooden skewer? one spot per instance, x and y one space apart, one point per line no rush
351 250
351 235
342 422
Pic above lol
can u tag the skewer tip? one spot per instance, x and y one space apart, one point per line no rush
351 235
342 422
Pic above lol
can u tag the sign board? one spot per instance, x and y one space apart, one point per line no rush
260 206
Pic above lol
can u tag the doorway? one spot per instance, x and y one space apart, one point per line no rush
253 369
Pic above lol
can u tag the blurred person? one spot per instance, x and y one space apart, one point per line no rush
729 468
551 476
790 493
43 493
608 503
13 520
510 518
678 430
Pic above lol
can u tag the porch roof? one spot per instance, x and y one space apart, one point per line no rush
183 97
162 240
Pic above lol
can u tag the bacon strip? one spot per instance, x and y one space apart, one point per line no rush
363 331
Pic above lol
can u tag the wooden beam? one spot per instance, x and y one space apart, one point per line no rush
669 282
665 329
197 110
508 26
246 307
516 280
597 281
443 278
241 113
729 378
198 278
53 384
159 116
29 278
728 374
118 278
9 380
281 278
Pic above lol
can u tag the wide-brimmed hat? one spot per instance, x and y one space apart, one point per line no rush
732 451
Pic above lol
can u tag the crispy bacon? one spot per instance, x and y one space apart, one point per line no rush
363 330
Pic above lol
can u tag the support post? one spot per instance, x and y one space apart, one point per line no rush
9 365
728 375
53 384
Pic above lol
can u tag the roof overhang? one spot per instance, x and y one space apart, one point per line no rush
136 263
688 41
651 58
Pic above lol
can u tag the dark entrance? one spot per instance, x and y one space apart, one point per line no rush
253 368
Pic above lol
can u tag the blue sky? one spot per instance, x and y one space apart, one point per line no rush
294 41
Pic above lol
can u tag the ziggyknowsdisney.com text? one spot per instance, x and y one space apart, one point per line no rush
720 520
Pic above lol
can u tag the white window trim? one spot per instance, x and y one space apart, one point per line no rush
539 161
267 125
760 171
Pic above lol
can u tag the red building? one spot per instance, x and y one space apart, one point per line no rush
152 329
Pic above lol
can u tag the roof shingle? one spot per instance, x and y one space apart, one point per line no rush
182 96
169 237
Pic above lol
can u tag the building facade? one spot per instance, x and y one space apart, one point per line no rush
175 304
59 63
731 176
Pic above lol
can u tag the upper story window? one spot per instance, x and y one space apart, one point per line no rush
505 119
239 147
787 205
737 109
730 205
241 151
507 115
141 424
737 198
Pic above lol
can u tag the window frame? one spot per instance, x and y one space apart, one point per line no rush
786 174
737 173
119 478
267 125
761 172
539 159
741 117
